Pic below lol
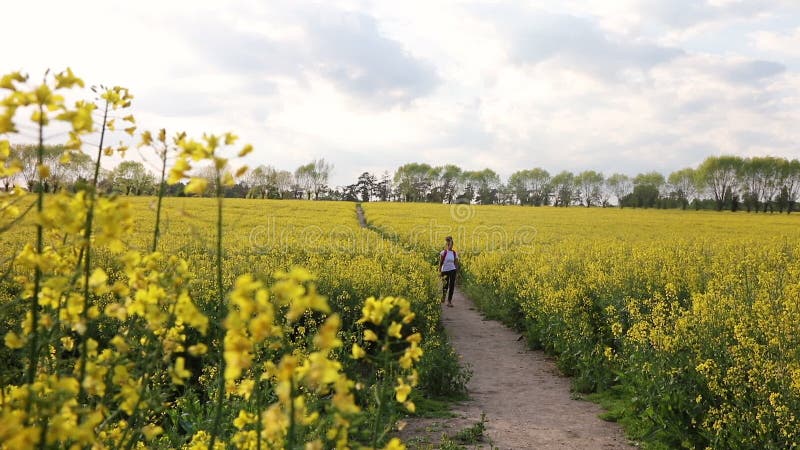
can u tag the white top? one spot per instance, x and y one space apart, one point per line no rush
449 260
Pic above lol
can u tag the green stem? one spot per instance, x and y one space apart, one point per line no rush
87 267
43 436
220 310
380 392
33 351
257 394
290 435
157 230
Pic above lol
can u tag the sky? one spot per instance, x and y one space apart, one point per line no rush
616 86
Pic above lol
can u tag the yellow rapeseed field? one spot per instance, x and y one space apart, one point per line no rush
691 316
261 238
197 323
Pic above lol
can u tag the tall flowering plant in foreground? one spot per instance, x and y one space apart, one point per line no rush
105 342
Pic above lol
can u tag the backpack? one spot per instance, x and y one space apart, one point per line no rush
441 260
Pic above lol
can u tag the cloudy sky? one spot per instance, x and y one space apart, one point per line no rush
623 85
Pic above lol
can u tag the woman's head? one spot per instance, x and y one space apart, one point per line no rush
448 242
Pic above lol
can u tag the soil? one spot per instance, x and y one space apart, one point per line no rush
526 401
361 219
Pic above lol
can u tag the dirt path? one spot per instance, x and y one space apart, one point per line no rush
361 219
527 402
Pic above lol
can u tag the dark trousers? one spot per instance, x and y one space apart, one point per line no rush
448 284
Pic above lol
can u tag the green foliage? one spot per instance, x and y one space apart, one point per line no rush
473 434
440 371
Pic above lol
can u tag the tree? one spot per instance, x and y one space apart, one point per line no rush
413 181
13 160
486 184
284 181
257 181
718 174
518 184
436 192
620 185
304 177
132 178
320 175
530 187
683 184
563 188
772 178
760 181
28 157
647 190
589 185
79 169
450 176
790 174
365 186
350 193
384 187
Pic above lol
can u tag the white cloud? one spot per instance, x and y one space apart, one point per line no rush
630 85
776 43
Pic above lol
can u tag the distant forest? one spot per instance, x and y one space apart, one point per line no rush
757 184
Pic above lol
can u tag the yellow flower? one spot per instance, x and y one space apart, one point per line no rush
119 343
198 349
326 338
97 279
244 419
196 185
13 341
68 343
230 138
343 399
415 338
245 388
150 431
245 150
178 372
370 335
67 79
402 390
358 352
395 444
375 310
394 330
412 354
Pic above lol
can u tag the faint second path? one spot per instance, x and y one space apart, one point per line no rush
361 219
527 402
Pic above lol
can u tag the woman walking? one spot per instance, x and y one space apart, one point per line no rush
448 266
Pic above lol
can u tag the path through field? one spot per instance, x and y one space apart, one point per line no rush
527 402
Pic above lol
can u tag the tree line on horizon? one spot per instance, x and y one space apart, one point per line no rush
720 182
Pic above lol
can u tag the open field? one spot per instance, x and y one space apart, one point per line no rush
152 328
684 323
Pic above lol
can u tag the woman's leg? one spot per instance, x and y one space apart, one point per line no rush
451 285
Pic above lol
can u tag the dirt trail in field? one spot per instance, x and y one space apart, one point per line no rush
528 404
361 219
526 401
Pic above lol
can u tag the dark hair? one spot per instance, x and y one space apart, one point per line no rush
449 239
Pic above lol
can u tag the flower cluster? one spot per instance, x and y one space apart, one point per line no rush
109 345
